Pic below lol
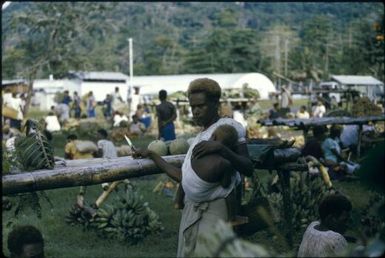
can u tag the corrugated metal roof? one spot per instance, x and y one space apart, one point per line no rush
10 82
104 75
356 80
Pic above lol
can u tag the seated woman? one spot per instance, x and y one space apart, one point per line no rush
324 238
137 128
333 157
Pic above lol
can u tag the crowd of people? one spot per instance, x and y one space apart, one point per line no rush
214 167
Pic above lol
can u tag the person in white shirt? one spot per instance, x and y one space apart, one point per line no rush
302 113
62 110
238 116
136 127
15 103
135 101
119 117
285 97
319 110
116 99
325 238
106 148
52 123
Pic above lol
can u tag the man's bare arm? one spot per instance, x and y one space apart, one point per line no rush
172 171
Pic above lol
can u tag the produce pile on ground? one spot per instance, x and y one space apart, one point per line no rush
306 193
128 218
365 107
265 205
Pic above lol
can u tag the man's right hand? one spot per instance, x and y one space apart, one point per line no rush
141 153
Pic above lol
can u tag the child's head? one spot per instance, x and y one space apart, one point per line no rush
71 137
102 133
335 131
334 212
227 135
26 241
134 118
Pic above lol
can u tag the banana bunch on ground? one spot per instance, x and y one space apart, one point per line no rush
222 242
78 216
128 219
306 193
371 220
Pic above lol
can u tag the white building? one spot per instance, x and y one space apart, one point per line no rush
44 91
102 83
173 83
366 85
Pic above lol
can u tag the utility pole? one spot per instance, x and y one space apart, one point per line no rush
286 53
277 54
129 95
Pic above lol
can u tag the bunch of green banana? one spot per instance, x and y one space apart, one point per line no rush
78 215
129 219
306 193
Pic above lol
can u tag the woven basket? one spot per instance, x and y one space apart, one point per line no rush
10 112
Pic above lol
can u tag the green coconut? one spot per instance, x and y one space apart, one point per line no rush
178 146
159 147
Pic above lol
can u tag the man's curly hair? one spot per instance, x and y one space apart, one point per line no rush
208 86
23 235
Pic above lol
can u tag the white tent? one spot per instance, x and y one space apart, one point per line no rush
173 83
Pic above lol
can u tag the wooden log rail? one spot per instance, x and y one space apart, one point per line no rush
83 172
306 122
96 171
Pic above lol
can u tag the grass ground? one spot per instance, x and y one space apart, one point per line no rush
65 241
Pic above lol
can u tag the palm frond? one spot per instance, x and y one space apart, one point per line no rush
34 152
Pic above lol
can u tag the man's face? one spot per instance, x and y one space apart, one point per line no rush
203 110
32 251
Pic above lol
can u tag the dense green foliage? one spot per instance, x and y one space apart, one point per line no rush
300 40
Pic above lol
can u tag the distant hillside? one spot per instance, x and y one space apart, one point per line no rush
301 40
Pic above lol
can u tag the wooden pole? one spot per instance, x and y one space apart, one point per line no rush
359 141
106 193
284 178
83 172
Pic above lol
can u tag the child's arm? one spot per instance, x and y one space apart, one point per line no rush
174 172
213 169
